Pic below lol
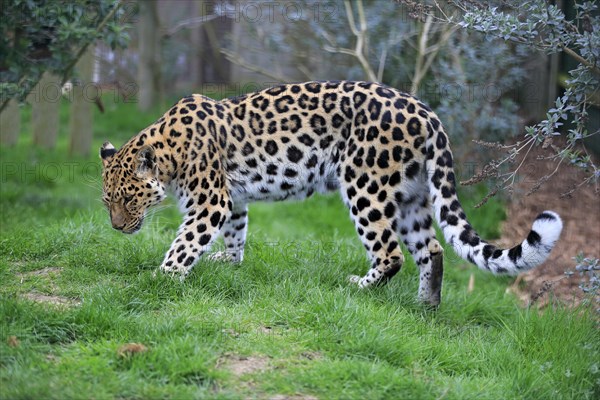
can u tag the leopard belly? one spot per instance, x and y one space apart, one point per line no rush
279 181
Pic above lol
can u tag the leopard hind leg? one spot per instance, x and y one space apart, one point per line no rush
234 236
418 234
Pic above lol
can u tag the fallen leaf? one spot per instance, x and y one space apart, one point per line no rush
13 341
130 349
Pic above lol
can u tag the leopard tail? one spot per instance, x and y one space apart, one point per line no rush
460 234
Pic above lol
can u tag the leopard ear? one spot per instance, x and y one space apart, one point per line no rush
146 158
107 151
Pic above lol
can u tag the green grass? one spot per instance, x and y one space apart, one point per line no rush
287 307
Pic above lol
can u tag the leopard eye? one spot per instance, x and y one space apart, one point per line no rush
127 198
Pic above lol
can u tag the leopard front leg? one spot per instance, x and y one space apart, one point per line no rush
196 234
376 229
234 236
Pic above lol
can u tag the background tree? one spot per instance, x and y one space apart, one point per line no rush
149 67
83 92
10 124
45 100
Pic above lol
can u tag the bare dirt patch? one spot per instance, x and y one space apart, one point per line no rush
40 272
242 365
580 213
52 299
293 397
42 277
266 330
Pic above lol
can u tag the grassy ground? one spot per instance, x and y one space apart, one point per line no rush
284 324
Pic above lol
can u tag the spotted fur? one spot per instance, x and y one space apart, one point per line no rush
384 150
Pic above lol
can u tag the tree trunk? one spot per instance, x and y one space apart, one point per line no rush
149 73
45 100
10 124
81 114
220 69
196 59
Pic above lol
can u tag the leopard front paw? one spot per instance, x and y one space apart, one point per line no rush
221 256
357 280
173 271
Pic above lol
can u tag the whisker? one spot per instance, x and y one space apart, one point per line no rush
156 210
160 207
93 186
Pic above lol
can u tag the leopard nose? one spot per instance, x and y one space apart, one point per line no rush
117 220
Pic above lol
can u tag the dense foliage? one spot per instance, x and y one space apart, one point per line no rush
544 27
38 36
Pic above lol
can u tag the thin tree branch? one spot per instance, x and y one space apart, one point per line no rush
426 55
189 24
580 59
382 59
236 59
419 69
360 37
341 50
350 16
305 71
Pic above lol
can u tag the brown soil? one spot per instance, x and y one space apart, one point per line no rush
40 272
239 365
293 397
580 212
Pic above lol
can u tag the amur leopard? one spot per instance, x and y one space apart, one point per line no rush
384 150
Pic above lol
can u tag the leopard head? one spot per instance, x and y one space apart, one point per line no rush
130 184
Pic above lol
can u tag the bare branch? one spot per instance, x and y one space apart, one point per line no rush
350 16
381 68
426 55
581 60
340 50
419 69
305 71
189 24
360 37
488 196
238 60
